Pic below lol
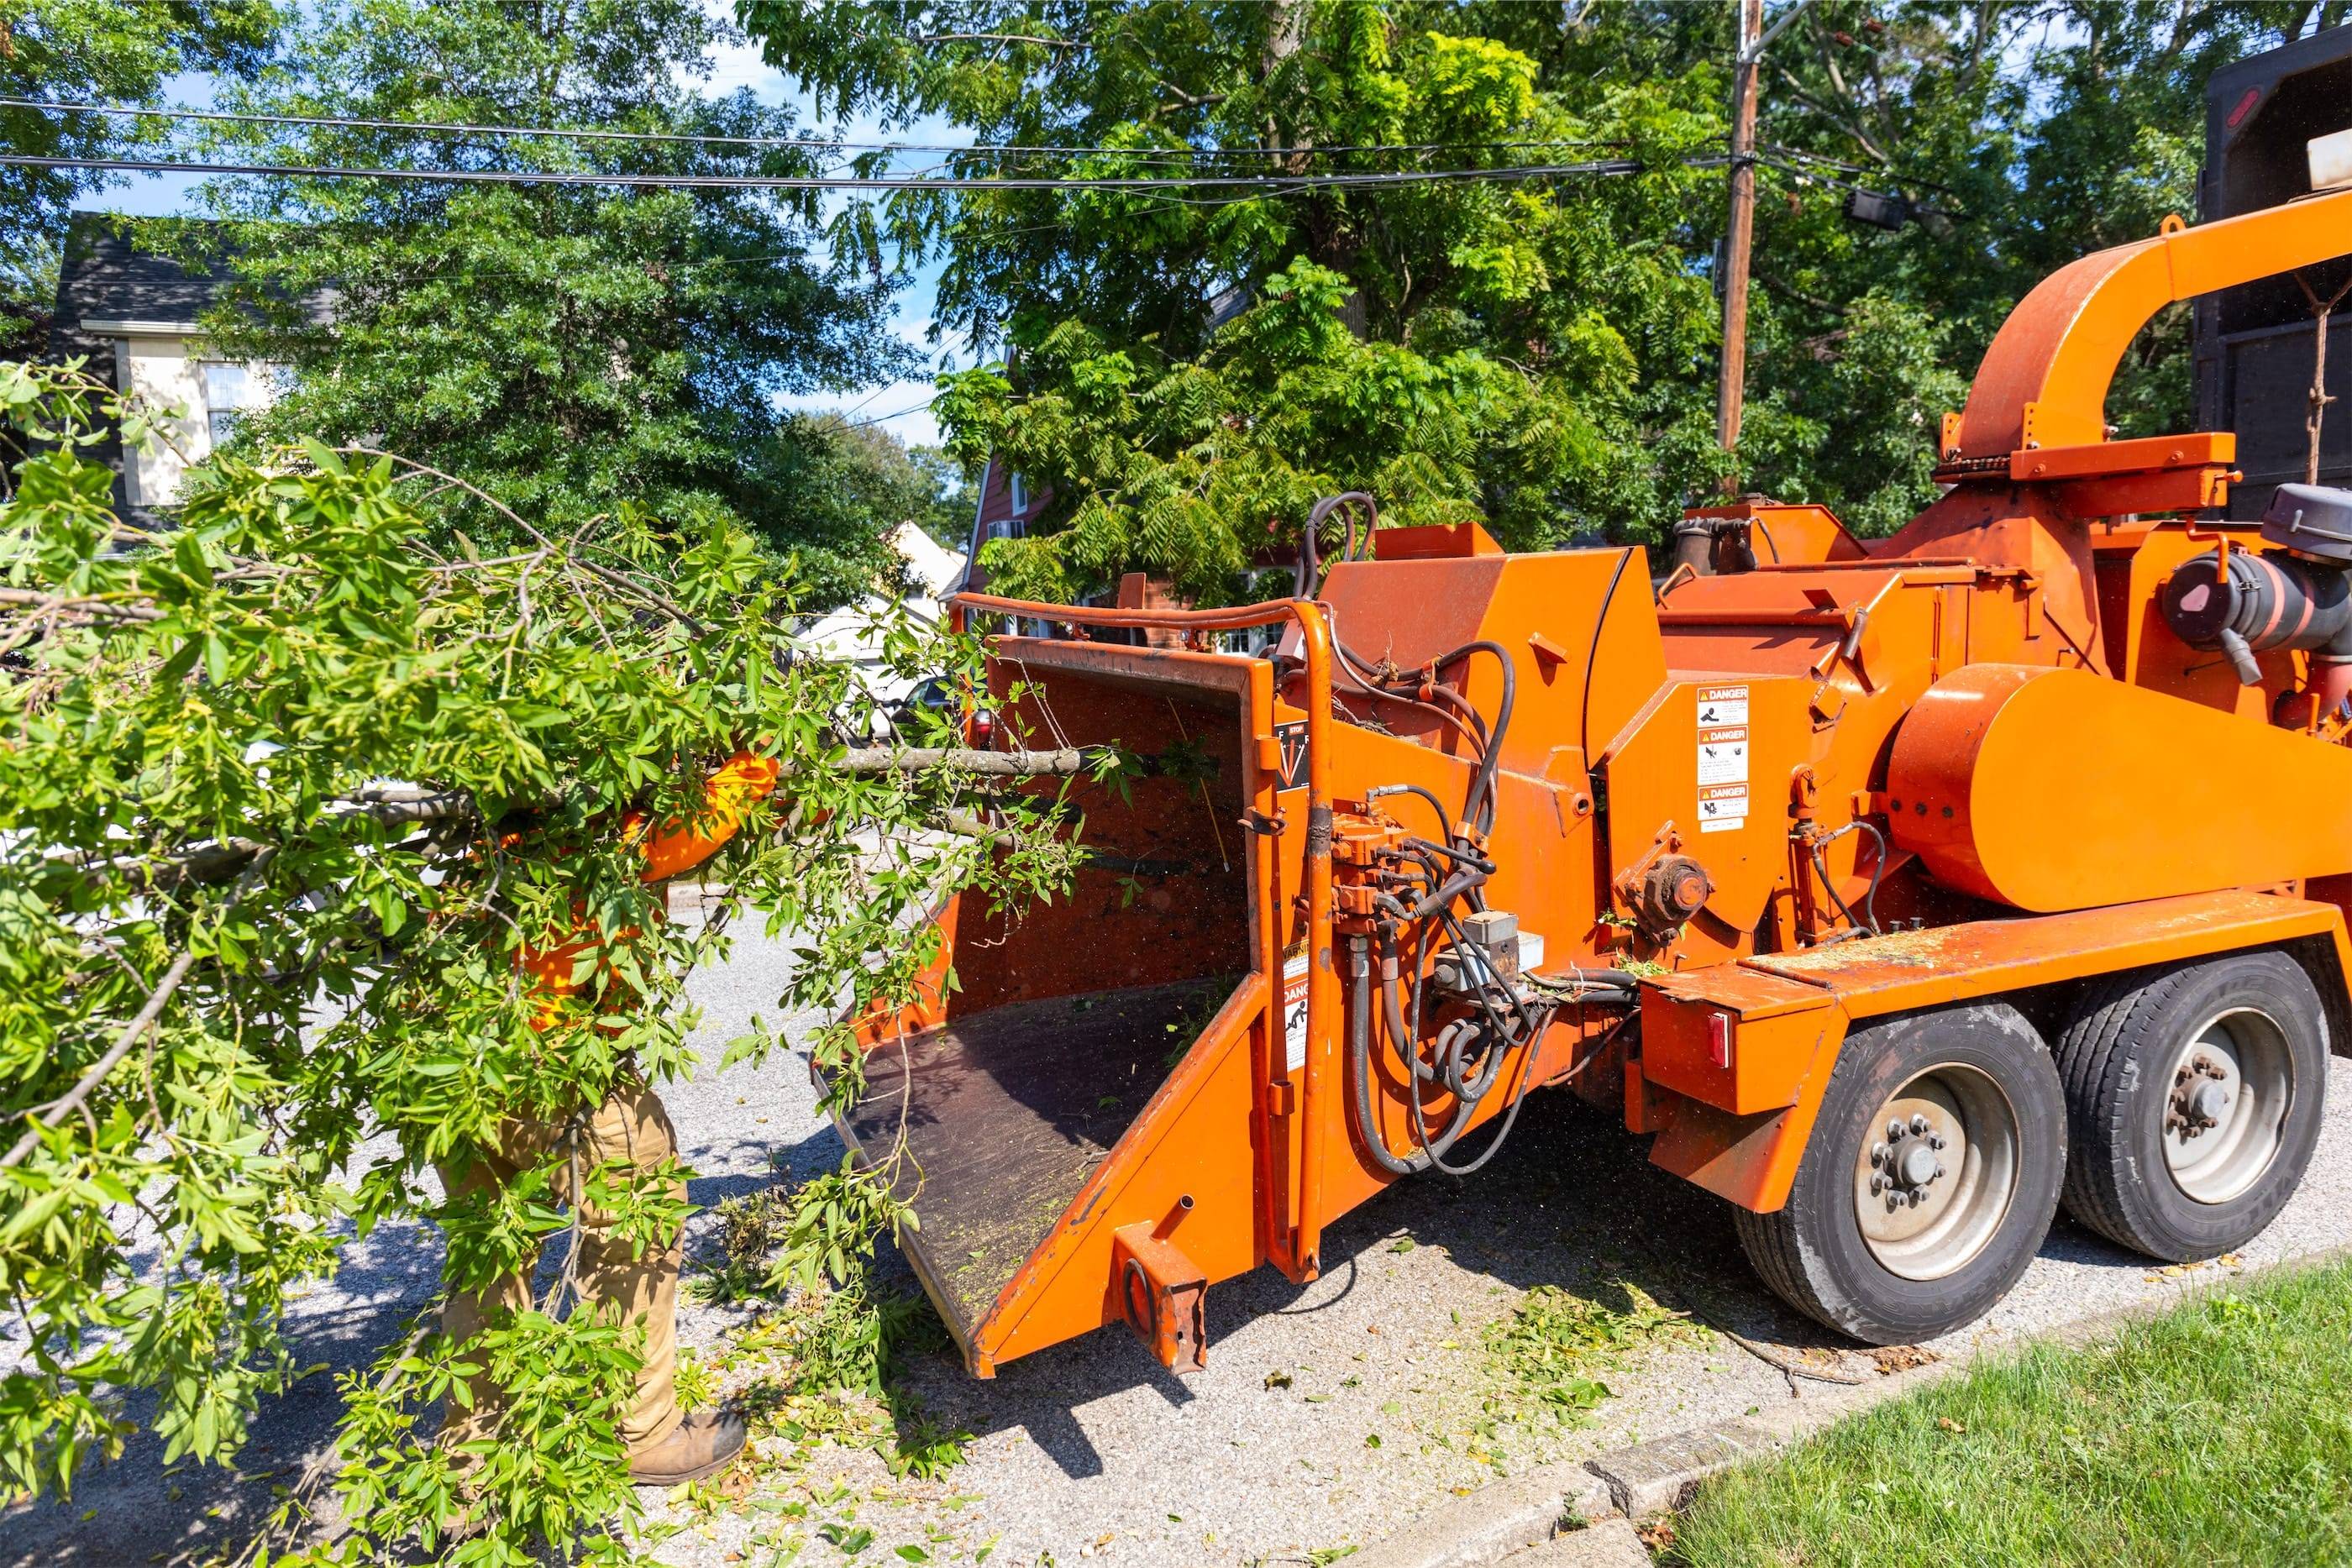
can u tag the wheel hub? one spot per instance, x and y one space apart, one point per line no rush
1931 1189
2200 1097
2233 1083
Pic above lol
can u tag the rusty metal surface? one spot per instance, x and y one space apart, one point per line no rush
1006 1112
1918 969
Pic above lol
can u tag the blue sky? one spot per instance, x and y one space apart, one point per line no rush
898 405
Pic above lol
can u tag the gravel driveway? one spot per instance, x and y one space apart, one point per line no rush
1329 1415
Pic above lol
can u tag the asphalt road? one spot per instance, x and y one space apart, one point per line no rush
1090 1450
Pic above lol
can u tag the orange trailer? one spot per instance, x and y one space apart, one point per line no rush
1903 889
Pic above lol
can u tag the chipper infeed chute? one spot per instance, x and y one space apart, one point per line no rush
1025 1103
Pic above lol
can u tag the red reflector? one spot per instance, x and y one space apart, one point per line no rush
1719 1039
2245 105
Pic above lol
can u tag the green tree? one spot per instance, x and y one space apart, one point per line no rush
231 953
575 351
2021 134
108 51
1468 347
876 481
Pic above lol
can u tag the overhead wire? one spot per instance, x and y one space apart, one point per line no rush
1280 183
802 142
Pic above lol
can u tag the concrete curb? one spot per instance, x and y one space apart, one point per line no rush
1610 1543
1495 1522
1525 1521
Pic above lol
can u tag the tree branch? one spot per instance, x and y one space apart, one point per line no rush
997 38
68 1103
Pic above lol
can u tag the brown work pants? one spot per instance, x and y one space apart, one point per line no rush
630 1126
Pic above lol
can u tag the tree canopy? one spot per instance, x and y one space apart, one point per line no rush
574 351
1540 352
107 51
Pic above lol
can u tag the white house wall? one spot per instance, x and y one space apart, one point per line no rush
165 375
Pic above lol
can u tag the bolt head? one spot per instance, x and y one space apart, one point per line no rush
1936 1140
1878 1154
1895 1131
1893 1201
1919 1124
1877 1186
1918 1196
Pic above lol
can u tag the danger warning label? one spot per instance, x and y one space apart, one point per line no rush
1294 1013
1722 705
1723 754
1722 807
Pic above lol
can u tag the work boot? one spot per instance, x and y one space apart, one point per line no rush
702 1445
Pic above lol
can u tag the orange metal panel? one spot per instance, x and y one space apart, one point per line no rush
2052 789
1713 757
2106 459
1737 1039
1179 1169
1434 540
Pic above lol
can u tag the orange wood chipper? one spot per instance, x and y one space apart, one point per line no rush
1903 889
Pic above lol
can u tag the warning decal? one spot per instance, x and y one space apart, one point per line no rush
1722 705
1723 754
1722 807
1294 1013
1291 738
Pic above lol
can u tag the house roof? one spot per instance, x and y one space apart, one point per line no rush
108 286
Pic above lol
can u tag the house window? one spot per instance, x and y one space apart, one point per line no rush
230 391
1020 496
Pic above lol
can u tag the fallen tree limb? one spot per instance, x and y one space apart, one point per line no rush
965 760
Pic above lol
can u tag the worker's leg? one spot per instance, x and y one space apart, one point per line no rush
631 1127
664 1448
467 1312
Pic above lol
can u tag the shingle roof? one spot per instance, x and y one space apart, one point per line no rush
105 277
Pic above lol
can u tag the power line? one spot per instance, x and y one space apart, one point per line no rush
1278 183
812 144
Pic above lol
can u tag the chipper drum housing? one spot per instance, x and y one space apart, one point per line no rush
1900 889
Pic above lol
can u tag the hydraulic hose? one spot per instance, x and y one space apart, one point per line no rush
1359 1068
1355 502
1478 806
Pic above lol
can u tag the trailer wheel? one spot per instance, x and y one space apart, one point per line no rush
2194 1099
1928 1182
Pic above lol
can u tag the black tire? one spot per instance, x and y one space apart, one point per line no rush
2119 1058
1813 1251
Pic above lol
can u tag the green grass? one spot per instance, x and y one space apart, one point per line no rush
2219 1433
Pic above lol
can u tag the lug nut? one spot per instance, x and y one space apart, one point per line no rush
1895 1131
1878 1154
1935 1141
1877 1186
1918 1196
1893 1201
1919 1124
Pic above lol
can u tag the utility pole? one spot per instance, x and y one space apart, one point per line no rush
1731 386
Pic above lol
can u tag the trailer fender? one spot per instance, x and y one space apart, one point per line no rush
1737 1098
